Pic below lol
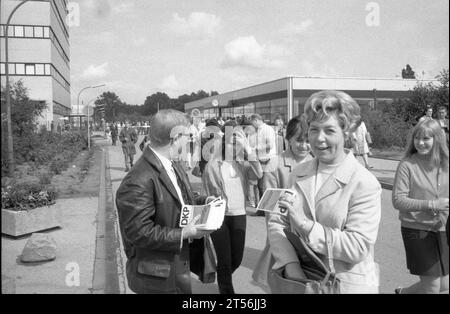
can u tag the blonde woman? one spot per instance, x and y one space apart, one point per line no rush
420 193
333 191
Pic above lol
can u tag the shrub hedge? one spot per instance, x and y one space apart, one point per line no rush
26 196
53 149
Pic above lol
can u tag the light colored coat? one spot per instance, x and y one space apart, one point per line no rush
349 203
278 179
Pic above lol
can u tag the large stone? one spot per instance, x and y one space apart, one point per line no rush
39 247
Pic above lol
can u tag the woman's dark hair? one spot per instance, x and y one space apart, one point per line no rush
297 123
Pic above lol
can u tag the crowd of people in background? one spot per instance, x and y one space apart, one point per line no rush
310 154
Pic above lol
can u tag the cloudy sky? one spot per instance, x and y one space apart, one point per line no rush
139 47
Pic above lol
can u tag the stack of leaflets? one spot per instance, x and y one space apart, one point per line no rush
269 201
211 214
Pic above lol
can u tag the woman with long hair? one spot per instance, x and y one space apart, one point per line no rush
420 193
225 175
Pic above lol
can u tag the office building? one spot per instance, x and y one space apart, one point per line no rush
38 53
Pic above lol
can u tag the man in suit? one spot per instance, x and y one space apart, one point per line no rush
443 120
149 202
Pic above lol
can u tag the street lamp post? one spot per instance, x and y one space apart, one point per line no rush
8 96
78 98
88 127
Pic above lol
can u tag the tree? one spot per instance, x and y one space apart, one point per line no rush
423 96
156 101
111 103
408 73
24 111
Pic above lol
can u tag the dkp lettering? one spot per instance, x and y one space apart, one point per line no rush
185 216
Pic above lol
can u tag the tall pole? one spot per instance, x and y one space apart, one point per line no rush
11 163
78 98
88 134
88 127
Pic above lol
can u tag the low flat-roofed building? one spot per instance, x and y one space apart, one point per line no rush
286 96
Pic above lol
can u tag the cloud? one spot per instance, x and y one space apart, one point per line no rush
95 72
296 29
198 24
139 42
247 52
169 84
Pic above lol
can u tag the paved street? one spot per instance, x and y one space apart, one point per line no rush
389 249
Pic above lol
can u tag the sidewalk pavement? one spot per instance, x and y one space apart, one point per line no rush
75 249
77 269
383 169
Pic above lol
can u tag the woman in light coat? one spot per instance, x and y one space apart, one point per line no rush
298 152
333 191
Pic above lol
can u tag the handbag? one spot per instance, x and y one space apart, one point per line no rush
202 260
320 278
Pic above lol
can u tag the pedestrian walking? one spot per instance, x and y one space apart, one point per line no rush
128 137
280 131
225 176
149 201
266 151
443 121
428 114
298 151
252 188
114 133
420 193
360 143
332 191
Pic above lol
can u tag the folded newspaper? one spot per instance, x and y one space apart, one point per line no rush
211 214
270 201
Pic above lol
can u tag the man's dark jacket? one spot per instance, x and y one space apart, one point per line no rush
149 212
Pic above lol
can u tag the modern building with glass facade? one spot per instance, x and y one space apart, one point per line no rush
287 96
38 40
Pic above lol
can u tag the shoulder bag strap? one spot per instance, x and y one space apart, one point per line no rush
329 243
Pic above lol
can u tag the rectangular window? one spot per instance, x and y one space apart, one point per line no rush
2 31
20 68
18 31
29 69
47 69
38 32
29 31
2 68
12 68
46 32
39 69
11 31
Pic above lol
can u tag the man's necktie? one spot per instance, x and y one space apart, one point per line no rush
181 185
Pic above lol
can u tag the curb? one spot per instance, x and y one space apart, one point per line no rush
105 278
